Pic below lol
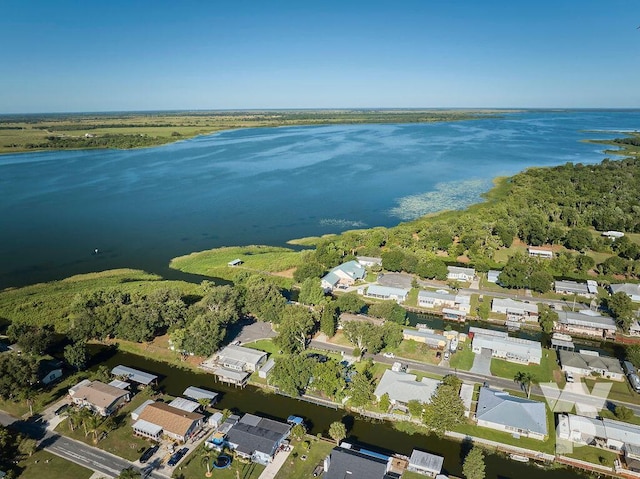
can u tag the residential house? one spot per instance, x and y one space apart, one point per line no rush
239 358
540 253
368 261
630 289
134 375
562 341
586 323
600 432
257 438
588 289
403 387
343 276
515 415
443 299
158 419
454 314
347 462
502 346
515 310
427 336
386 292
457 273
198 393
425 463
492 276
185 405
584 363
135 414
98 397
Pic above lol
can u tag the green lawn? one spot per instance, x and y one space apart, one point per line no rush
620 390
43 464
121 440
256 259
412 298
295 468
265 345
411 349
463 359
194 466
542 372
594 455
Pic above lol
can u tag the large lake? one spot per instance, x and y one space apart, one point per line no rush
142 207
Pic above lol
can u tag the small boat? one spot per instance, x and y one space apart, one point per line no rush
295 420
519 458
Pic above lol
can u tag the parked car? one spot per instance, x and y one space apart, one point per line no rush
389 355
175 458
569 376
447 353
146 455
62 409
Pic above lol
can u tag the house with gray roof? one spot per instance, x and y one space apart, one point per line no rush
343 276
588 289
403 387
239 358
197 394
257 438
492 275
599 432
501 411
458 273
442 298
630 289
346 462
502 346
586 323
584 363
515 310
425 463
386 292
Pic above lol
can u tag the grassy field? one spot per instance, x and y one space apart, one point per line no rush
195 466
43 464
542 372
315 451
63 131
594 455
267 260
463 359
410 349
620 390
49 303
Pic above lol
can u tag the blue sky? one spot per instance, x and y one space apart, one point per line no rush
116 55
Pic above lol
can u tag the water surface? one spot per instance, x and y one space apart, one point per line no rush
142 207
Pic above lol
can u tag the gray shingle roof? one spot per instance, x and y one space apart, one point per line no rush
588 361
254 433
500 407
348 463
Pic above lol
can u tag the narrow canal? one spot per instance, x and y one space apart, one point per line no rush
380 435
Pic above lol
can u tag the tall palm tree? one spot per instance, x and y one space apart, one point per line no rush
525 379
74 417
92 426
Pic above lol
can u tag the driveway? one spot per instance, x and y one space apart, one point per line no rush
395 280
249 332
482 363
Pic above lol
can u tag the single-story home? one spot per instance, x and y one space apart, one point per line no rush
134 375
454 314
135 414
540 253
515 310
502 346
386 292
599 432
158 419
343 276
630 289
257 438
492 275
368 261
199 393
98 397
239 358
427 336
515 415
588 289
583 363
458 273
425 463
347 462
442 298
585 322
403 387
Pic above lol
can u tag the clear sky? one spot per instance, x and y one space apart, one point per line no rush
210 54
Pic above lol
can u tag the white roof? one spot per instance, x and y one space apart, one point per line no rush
379 290
513 305
459 269
147 427
587 318
198 393
403 387
137 411
134 374
444 296
572 287
119 384
185 404
522 348
244 355
230 374
425 460
268 366
488 332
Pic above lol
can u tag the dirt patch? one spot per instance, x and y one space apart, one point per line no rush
462 259
287 273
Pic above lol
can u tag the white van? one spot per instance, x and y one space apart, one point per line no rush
568 376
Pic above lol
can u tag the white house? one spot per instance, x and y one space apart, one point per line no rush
584 363
387 292
585 322
605 433
515 415
502 346
515 310
461 274
492 276
588 289
425 463
540 253
368 261
403 387
239 358
343 276
98 397
630 289
442 298
427 336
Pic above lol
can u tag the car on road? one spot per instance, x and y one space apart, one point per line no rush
176 456
389 355
146 455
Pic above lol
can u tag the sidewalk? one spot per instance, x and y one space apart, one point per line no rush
274 466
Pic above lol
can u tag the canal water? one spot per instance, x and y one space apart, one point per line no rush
379 435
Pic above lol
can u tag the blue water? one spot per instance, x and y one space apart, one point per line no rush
142 207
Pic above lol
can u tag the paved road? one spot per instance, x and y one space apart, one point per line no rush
471 377
74 451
